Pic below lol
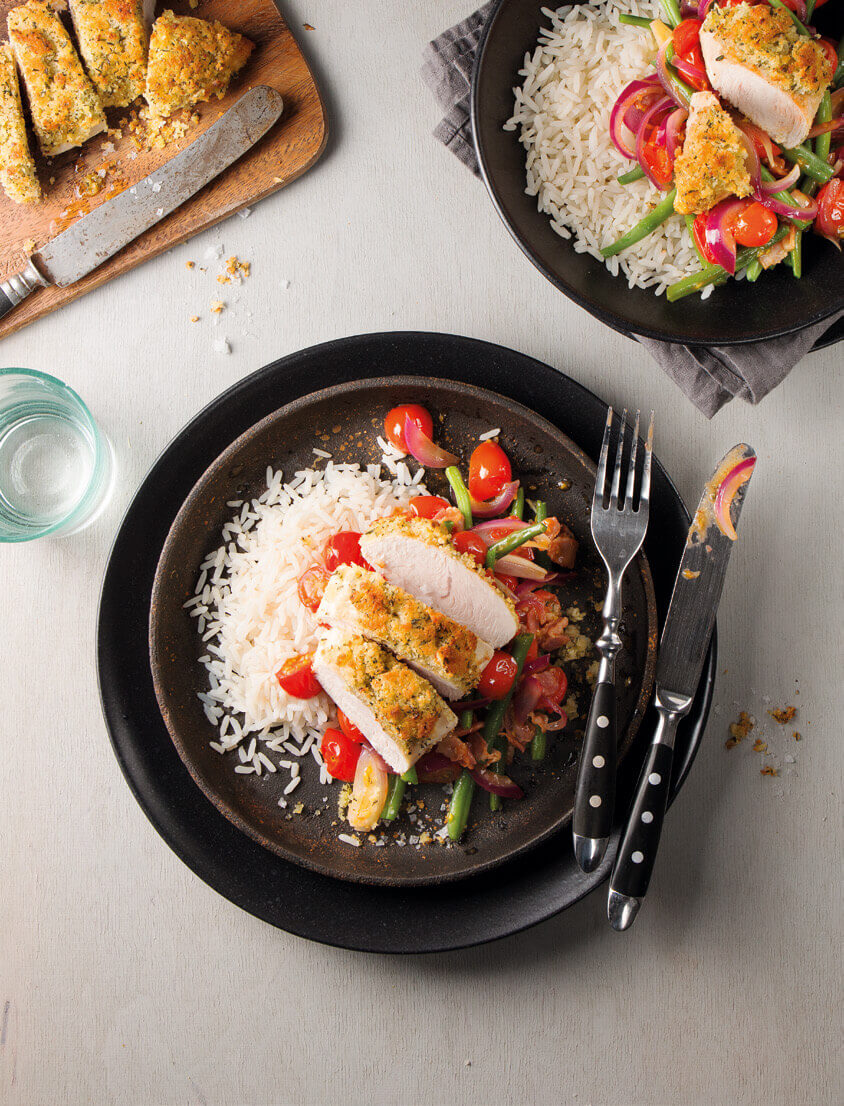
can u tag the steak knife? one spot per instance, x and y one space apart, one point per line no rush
114 224
682 651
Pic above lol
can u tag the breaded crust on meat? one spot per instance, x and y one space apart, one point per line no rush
191 60
713 161
112 37
66 110
17 169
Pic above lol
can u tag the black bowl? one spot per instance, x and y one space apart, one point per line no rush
737 312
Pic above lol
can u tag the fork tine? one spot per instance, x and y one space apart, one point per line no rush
616 476
645 494
601 478
631 472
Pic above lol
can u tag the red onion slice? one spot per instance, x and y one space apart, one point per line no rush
498 785
538 664
527 696
420 446
783 184
785 211
718 235
673 125
529 586
494 531
627 112
651 119
661 64
735 478
492 507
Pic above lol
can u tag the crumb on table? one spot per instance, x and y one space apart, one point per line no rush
739 730
783 715
769 771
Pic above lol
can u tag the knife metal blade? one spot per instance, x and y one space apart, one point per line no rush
697 589
114 224
682 651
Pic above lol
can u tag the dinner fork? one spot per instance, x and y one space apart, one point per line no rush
618 530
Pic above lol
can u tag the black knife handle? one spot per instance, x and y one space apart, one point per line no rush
594 797
6 304
634 863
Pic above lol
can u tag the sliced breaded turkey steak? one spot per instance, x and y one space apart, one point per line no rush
757 60
419 556
399 713
434 645
713 162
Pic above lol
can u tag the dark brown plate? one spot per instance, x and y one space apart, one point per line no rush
543 458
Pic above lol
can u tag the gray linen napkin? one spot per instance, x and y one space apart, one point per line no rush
709 376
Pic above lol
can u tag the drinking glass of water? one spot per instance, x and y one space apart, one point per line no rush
56 466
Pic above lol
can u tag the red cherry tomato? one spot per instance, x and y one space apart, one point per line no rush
297 678
754 225
349 728
533 651
340 755
511 582
426 506
831 50
394 423
489 470
656 159
467 542
312 584
830 220
343 548
497 678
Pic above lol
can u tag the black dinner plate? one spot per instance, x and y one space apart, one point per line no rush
738 312
516 894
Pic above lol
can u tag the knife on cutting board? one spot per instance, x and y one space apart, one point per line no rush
682 651
99 235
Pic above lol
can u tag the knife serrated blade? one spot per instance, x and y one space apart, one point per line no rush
697 589
114 224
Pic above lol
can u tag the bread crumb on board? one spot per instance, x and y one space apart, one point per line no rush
783 715
739 730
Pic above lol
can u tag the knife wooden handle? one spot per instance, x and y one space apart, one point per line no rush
594 797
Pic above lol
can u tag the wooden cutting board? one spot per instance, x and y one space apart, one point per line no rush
291 147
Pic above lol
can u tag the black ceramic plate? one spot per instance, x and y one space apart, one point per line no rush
737 312
515 895
345 421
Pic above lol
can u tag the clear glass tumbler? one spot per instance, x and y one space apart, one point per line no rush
56 466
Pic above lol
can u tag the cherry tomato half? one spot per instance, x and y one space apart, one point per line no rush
340 755
427 506
467 542
312 585
394 423
497 678
297 678
343 548
489 470
831 50
349 728
699 228
656 159
511 582
754 226
830 220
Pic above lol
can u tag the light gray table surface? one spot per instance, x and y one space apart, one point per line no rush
124 979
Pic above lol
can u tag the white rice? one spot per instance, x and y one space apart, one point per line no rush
571 81
249 615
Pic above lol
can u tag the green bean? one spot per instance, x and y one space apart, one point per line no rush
644 227
461 494
682 90
511 542
540 511
392 804
539 745
634 174
796 255
824 141
801 29
810 8
672 12
458 808
711 274
754 270
495 715
634 20
518 510
811 165
410 776
465 719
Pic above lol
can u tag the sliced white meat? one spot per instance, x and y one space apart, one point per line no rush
451 657
399 713
424 562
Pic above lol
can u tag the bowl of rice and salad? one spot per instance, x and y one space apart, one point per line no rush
675 166
374 654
